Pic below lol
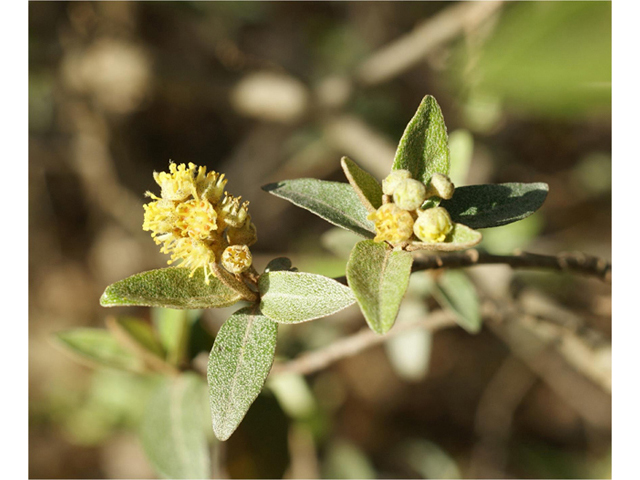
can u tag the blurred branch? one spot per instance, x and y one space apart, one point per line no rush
347 347
494 417
576 262
546 355
410 49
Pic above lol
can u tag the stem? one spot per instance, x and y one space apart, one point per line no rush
347 347
575 262
233 283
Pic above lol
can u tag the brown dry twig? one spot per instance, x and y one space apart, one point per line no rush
575 262
347 347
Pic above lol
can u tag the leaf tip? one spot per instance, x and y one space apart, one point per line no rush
108 298
269 187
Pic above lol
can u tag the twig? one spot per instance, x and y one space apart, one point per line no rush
494 417
354 344
403 53
566 262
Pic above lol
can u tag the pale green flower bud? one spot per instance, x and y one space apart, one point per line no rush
390 183
392 224
440 186
236 258
409 194
433 225
232 212
245 235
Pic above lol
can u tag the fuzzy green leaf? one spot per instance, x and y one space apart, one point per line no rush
335 202
457 293
485 206
423 148
367 188
240 361
170 288
460 238
139 332
294 297
98 347
379 278
172 432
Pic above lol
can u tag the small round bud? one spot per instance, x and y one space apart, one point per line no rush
409 194
440 186
392 224
236 258
390 183
433 225
245 235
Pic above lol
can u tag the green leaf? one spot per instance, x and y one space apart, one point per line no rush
485 206
139 332
170 288
294 297
335 202
456 292
423 148
173 327
172 432
364 184
98 347
279 263
240 361
379 278
460 238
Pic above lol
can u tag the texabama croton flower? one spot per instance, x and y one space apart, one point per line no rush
197 222
402 215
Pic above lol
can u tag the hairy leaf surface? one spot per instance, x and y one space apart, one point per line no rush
294 297
335 202
485 206
239 363
170 288
379 278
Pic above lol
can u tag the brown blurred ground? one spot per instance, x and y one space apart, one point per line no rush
268 91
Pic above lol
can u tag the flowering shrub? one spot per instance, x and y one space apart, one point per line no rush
208 232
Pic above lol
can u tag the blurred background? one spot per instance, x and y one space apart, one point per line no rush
269 91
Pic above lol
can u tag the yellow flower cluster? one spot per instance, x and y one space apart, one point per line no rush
197 222
402 216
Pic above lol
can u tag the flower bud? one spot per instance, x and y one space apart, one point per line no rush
440 186
232 212
409 194
392 224
245 235
236 258
390 183
433 225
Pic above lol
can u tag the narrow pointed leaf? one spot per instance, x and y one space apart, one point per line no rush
379 278
294 297
170 288
460 238
335 202
423 148
367 188
139 332
239 363
172 432
456 292
485 206
137 336
97 347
